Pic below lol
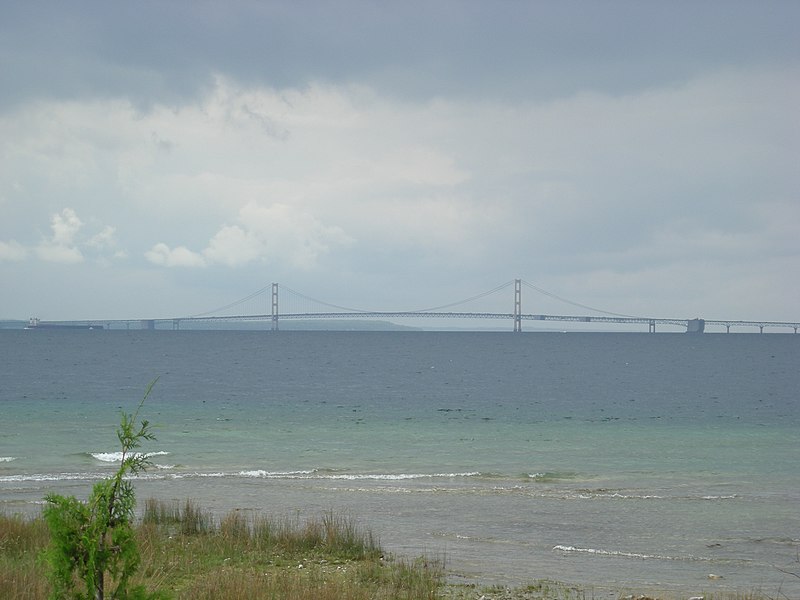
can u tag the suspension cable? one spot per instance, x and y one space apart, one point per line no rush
421 310
328 304
476 297
232 304
578 304
432 309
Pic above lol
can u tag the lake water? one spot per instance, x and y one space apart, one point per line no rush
615 459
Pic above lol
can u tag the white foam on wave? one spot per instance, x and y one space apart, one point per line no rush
608 494
621 496
7 458
561 548
398 476
42 477
112 457
159 474
186 475
351 476
623 554
214 475
262 474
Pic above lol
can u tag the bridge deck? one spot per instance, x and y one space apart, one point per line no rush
649 321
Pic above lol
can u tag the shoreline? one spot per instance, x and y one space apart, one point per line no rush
547 589
459 585
467 580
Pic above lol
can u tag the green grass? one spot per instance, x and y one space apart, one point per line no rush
188 555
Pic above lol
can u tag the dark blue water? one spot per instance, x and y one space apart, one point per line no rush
613 459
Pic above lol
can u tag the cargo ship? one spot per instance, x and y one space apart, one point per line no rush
36 323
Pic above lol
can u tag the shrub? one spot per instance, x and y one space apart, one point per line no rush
93 542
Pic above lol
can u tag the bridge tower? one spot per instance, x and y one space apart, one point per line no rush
274 307
517 305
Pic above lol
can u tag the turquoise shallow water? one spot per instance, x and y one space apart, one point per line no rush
649 460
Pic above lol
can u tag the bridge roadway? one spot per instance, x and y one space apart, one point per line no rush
693 325
650 322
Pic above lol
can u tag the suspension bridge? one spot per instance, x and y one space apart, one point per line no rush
269 305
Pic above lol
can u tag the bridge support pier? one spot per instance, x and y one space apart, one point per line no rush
695 326
651 327
517 305
274 307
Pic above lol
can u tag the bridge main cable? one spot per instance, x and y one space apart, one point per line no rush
420 310
516 316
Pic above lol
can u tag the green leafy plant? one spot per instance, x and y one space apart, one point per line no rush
93 547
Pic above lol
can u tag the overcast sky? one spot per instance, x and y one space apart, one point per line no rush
160 159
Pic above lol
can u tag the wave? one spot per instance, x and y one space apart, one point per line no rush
536 477
326 475
550 476
261 474
7 458
620 495
344 475
621 553
41 477
84 476
115 457
645 556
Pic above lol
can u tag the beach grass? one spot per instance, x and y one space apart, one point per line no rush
188 554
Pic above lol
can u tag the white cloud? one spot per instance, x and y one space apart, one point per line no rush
59 254
61 246
66 244
65 226
233 246
164 256
272 233
12 251
104 239
291 234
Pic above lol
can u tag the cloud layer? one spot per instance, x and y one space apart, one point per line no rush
600 160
